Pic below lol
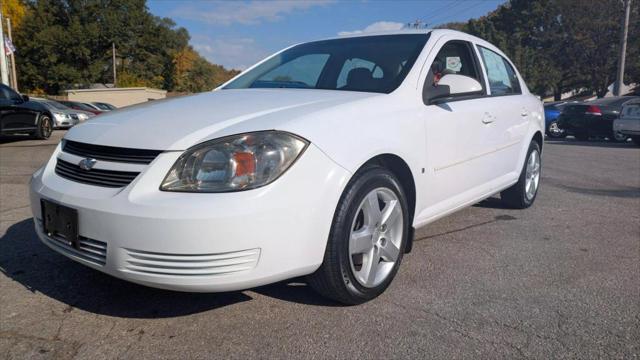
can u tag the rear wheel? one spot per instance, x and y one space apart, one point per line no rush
554 131
367 240
523 193
45 127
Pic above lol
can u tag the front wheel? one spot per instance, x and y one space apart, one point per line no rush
367 239
45 128
617 136
523 193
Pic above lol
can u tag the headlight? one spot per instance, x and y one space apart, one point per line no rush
82 117
233 163
59 116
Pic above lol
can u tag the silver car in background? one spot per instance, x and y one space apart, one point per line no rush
63 116
629 121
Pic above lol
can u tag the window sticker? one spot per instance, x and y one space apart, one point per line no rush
454 64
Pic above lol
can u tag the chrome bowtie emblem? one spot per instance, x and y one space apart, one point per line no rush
87 164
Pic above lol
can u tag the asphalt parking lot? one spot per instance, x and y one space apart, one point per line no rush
561 279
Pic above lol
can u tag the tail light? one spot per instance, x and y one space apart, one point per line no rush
593 110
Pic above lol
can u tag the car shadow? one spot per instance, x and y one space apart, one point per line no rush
592 143
24 259
7 139
491 203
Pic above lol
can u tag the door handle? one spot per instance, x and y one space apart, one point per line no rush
487 118
524 113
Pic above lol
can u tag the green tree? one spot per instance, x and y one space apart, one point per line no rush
68 43
561 45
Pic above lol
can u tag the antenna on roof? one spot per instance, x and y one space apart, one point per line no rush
417 24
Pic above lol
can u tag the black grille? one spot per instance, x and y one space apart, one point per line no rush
98 177
109 153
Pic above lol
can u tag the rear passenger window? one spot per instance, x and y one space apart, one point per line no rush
502 77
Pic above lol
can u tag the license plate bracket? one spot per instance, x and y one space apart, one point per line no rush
60 222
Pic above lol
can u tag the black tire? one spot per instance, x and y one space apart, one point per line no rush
516 196
45 127
335 278
618 137
554 134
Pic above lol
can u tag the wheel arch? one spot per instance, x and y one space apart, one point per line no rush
538 137
402 171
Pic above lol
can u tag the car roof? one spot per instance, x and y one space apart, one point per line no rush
619 100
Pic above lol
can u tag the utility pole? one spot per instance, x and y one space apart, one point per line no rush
115 78
617 86
4 76
14 76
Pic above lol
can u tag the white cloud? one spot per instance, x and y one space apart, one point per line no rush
242 12
376 26
232 53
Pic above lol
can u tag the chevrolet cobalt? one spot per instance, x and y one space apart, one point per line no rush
319 161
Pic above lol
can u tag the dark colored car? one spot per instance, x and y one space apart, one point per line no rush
593 118
19 115
80 106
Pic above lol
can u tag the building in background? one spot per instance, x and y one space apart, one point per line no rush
119 97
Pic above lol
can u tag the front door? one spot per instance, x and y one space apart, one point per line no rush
459 133
15 114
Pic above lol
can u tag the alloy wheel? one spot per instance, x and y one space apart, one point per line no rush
46 127
554 130
376 236
532 175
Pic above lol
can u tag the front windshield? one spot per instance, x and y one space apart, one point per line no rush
369 63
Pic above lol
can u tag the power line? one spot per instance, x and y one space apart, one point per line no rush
449 17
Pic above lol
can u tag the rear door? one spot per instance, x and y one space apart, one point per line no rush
510 111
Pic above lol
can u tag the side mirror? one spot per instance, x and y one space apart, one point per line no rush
25 98
453 86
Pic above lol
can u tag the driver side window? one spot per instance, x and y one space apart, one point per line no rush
455 57
8 94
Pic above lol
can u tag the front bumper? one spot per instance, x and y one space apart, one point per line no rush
198 242
64 123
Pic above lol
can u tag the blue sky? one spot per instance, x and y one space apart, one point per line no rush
236 34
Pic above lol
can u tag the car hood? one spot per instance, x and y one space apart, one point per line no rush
177 124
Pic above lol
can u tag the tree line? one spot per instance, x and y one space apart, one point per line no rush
563 45
63 44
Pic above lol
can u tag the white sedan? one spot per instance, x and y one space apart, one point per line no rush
321 160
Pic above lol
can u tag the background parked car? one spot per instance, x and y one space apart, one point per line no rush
20 115
81 106
104 106
629 121
593 118
63 116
